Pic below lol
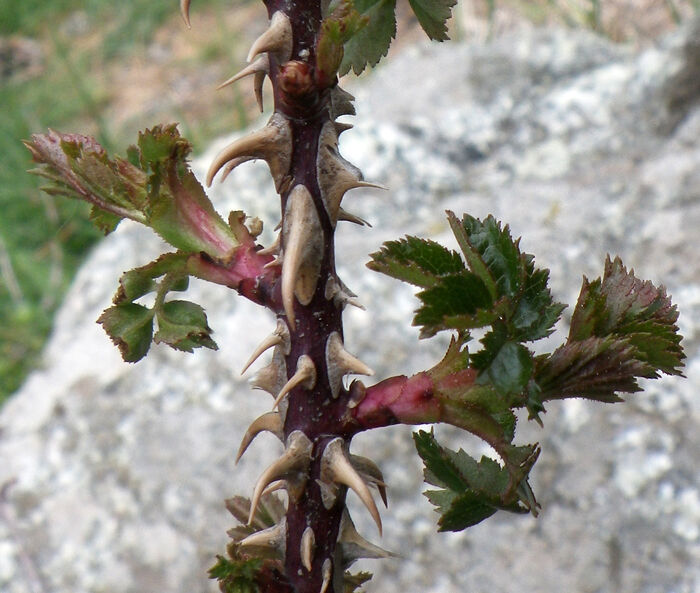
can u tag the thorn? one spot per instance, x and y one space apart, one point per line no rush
339 362
270 422
276 38
302 242
269 342
274 486
341 294
272 377
305 375
308 546
273 538
261 64
347 217
279 336
294 463
272 249
273 143
258 81
353 546
341 127
371 472
185 11
336 467
327 572
341 102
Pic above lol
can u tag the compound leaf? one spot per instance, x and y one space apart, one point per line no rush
371 43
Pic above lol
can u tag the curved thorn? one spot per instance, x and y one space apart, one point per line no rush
272 249
353 546
304 375
273 143
327 572
308 545
276 38
372 473
272 538
269 342
337 467
270 422
347 217
272 377
185 11
274 486
339 362
294 460
261 64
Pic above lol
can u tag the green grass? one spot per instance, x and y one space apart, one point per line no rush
44 240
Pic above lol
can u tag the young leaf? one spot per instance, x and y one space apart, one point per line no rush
418 261
183 326
433 15
130 327
140 281
372 42
236 575
336 30
624 306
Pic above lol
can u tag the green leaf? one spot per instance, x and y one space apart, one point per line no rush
372 42
236 575
440 467
433 15
183 326
130 327
511 369
535 312
459 301
140 281
418 261
475 490
336 30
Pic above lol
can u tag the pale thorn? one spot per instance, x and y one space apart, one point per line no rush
327 572
273 249
261 64
353 546
307 548
185 11
341 102
272 377
275 486
258 81
275 263
371 472
336 467
272 538
294 460
270 422
305 375
279 337
347 217
339 362
341 127
276 38
302 248
232 164
272 142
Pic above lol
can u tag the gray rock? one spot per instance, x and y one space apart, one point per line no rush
584 148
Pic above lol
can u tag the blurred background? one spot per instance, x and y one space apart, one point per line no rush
111 69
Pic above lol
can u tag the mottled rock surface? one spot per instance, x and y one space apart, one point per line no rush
584 148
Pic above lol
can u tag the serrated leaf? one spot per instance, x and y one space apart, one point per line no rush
536 312
594 368
433 15
183 326
458 301
103 220
130 327
624 306
418 261
372 42
511 369
236 575
467 510
442 468
135 283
